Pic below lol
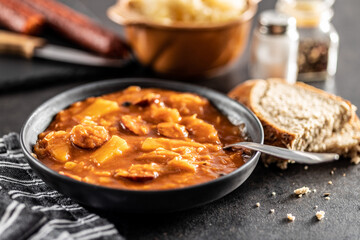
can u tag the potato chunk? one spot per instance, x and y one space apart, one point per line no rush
139 172
114 147
135 124
99 108
188 103
181 165
151 144
132 89
159 155
90 136
172 130
58 145
70 165
202 131
164 114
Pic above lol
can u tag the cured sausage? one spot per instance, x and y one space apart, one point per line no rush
79 28
20 17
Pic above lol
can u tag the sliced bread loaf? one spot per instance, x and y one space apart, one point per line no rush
301 117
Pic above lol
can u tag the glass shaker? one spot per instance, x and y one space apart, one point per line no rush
274 47
318 43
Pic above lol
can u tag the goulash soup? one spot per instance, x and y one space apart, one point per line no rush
141 139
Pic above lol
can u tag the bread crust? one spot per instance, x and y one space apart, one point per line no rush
275 135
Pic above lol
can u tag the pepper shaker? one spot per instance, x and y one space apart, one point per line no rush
274 47
318 39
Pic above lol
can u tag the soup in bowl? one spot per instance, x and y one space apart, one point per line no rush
152 147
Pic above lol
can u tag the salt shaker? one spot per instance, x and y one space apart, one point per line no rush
274 47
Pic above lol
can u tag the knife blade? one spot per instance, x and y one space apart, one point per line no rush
70 55
29 47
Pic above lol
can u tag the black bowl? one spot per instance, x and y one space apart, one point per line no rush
134 200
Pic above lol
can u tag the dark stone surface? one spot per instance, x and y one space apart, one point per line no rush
234 216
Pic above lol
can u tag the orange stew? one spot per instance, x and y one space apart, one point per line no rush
142 139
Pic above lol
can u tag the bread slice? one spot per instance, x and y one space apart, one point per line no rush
301 117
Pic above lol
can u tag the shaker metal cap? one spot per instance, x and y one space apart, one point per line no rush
275 23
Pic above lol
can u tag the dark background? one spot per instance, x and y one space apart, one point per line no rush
26 84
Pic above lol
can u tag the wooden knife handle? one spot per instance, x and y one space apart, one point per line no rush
18 44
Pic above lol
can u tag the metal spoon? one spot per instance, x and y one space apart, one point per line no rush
297 156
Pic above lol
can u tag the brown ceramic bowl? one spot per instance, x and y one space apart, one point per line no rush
184 49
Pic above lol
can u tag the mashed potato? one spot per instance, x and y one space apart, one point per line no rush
194 11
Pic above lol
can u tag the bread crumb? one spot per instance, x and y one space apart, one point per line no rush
332 172
272 210
330 182
327 198
344 174
273 193
290 217
257 204
320 215
299 196
282 165
306 167
314 190
355 160
301 191
316 206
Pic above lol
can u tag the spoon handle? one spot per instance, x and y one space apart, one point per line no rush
297 156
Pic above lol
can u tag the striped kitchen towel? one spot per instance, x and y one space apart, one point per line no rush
29 209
